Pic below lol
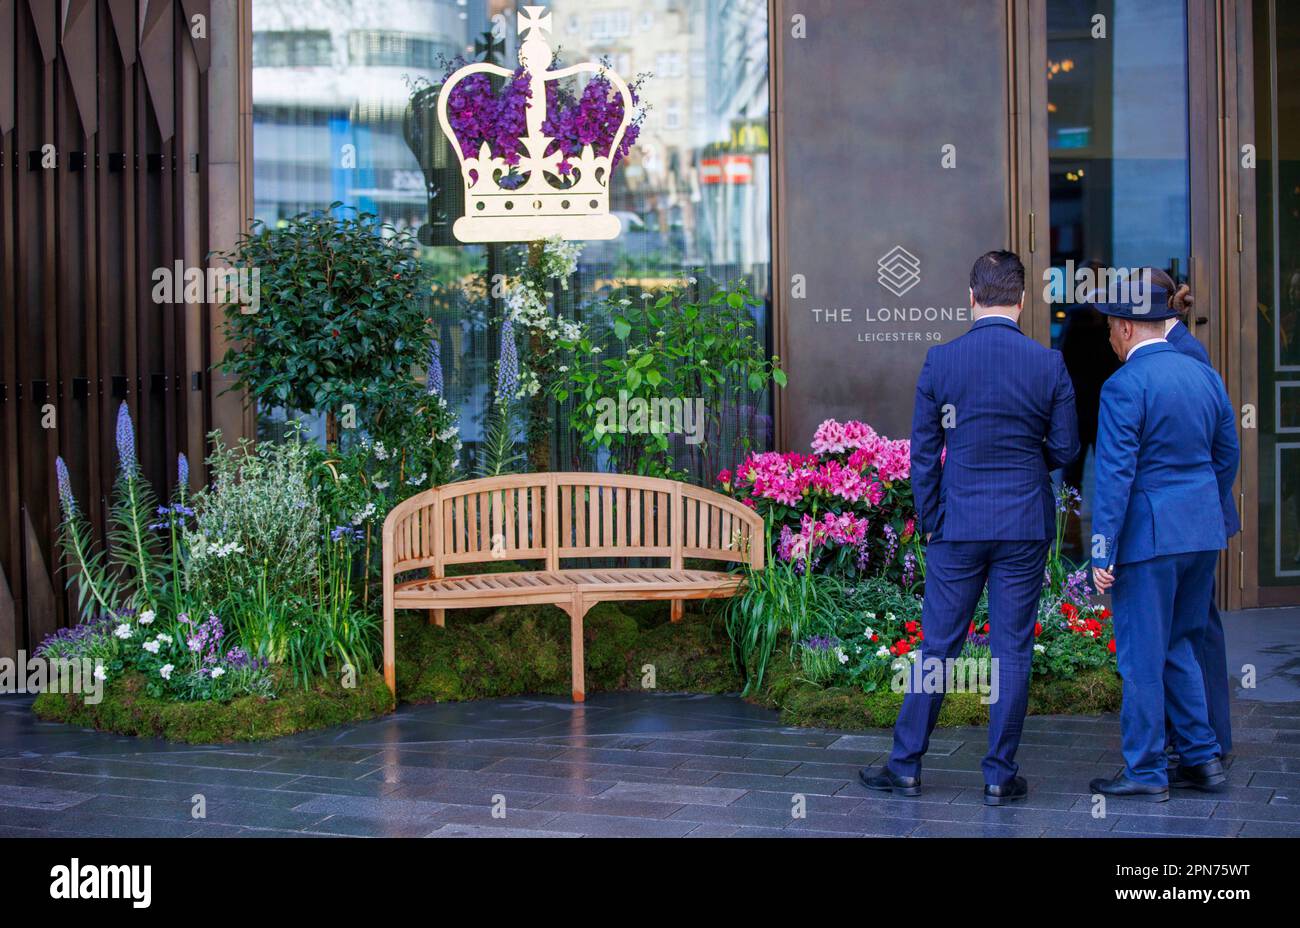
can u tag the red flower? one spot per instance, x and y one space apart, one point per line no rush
1105 614
875 638
971 630
1038 629
985 630
1069 611
1110 646
911 627
920 636
903 647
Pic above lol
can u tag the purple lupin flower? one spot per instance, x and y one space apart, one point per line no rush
434 386
182 471
66 499
126 441
508 366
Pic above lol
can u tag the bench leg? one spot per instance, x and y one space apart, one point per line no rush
390 667
576 611
438 617
678 610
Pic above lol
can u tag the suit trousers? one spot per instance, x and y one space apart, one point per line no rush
955 575
1162 609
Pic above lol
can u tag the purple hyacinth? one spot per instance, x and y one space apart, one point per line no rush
66 499
182 471
508 366
434 386
126 441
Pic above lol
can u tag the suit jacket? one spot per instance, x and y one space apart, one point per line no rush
1009 405
1166 444
1182 338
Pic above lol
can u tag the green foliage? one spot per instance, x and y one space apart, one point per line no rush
781 601
659 355
87 567
259 518
342 319
133 550
498 455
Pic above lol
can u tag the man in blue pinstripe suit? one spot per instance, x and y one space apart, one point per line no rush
1002 406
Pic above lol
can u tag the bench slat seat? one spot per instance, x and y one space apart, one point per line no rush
553 518
427 592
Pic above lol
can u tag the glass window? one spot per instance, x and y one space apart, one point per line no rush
693 195
1119 172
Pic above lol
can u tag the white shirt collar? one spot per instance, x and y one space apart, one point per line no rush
1140 345
1170 323
998 316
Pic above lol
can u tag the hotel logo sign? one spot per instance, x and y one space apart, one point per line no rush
900 270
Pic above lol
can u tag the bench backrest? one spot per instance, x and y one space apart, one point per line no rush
551 517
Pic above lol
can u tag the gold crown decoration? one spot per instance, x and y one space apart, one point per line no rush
537 209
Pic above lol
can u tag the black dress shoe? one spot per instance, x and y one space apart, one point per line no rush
1122 787
886 781
1208 777
1015 788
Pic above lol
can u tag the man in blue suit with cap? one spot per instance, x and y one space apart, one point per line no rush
1167 455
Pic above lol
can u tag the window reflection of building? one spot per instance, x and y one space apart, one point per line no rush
333 79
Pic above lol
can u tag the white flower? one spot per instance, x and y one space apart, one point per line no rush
380 452
146 617
382 484
166 639
1039 649
595 349
844 658
123 631
152 646
218 672
883 652
890 617
165 671
100 674
869 632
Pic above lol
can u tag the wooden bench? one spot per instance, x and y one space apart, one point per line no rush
551 518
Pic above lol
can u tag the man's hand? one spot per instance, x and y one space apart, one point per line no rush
1102 579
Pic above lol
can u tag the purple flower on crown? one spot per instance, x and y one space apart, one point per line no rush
125 436
66 499
508 366
182 471
434 386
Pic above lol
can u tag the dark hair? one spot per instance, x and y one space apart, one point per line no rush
1180 295
998 279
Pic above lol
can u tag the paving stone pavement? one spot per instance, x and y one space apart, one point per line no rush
623 764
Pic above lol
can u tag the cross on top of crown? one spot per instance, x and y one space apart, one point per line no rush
534 17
